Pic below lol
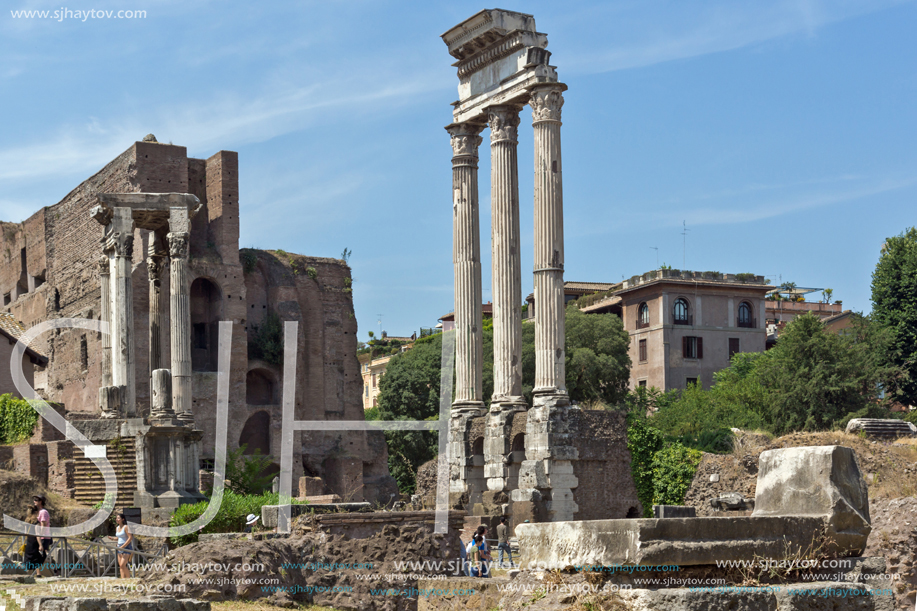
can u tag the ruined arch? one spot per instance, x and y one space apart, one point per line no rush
260 387
256 434
206 313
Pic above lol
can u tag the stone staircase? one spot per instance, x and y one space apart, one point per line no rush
875 427
88 482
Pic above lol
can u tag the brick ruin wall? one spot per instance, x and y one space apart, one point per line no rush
53 256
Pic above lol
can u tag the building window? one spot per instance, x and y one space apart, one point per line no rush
200 336
374 380
366 390
642 383
643 316
642 351
690 381
733 346
692 347
745 318
682 316
84 353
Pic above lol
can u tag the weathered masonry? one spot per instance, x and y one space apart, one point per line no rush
503 65
151 244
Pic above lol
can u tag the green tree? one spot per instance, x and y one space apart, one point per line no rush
248 473
894 306
597 363
815 377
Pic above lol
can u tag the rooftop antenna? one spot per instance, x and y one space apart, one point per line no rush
684 244
656 248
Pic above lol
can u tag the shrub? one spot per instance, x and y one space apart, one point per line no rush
266 343
673 470
229 518
246 473
17 419
644 442
248 259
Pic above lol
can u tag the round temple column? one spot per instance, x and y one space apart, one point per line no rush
121 243
546 103
466 258
506 257
154 263
180 332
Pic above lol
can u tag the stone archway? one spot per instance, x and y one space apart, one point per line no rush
260 388
256 434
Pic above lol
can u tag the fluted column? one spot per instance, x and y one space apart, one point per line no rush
121 243
180 311
155 263
506 257
546 104
466 258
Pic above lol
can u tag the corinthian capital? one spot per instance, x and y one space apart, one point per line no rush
504 123
104 265
546 103
121 243
154 265
178 245
465 139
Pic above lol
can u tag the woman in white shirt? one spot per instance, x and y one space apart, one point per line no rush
125 544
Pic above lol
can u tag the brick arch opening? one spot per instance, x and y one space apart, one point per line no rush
256 434
206 313
260 387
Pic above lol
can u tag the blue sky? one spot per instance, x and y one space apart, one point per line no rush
783 133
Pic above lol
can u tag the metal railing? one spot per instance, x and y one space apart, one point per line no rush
748 323
77 557
687 320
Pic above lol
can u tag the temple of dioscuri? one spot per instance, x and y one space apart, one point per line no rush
549 461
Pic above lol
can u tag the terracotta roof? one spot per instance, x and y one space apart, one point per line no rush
592 287
486 309
828 319
11 328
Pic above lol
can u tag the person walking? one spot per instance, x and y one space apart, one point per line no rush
44 525
485 551
33 557
475 554
125 545
503 542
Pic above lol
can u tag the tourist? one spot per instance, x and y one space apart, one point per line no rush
125 545
33 556
250 521
503 542
44 525
475 555
485 551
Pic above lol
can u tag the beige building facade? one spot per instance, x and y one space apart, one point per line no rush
685 326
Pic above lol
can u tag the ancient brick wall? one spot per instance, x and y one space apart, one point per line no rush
62 249
32 459
606 487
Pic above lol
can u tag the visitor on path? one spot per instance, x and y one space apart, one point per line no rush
485 551
503 542
475 554
33 557
44 525
125 545
250 521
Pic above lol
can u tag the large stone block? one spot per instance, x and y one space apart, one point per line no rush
816 481
680 541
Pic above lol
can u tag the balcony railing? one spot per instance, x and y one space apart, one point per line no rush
688 320
643 324
748 323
